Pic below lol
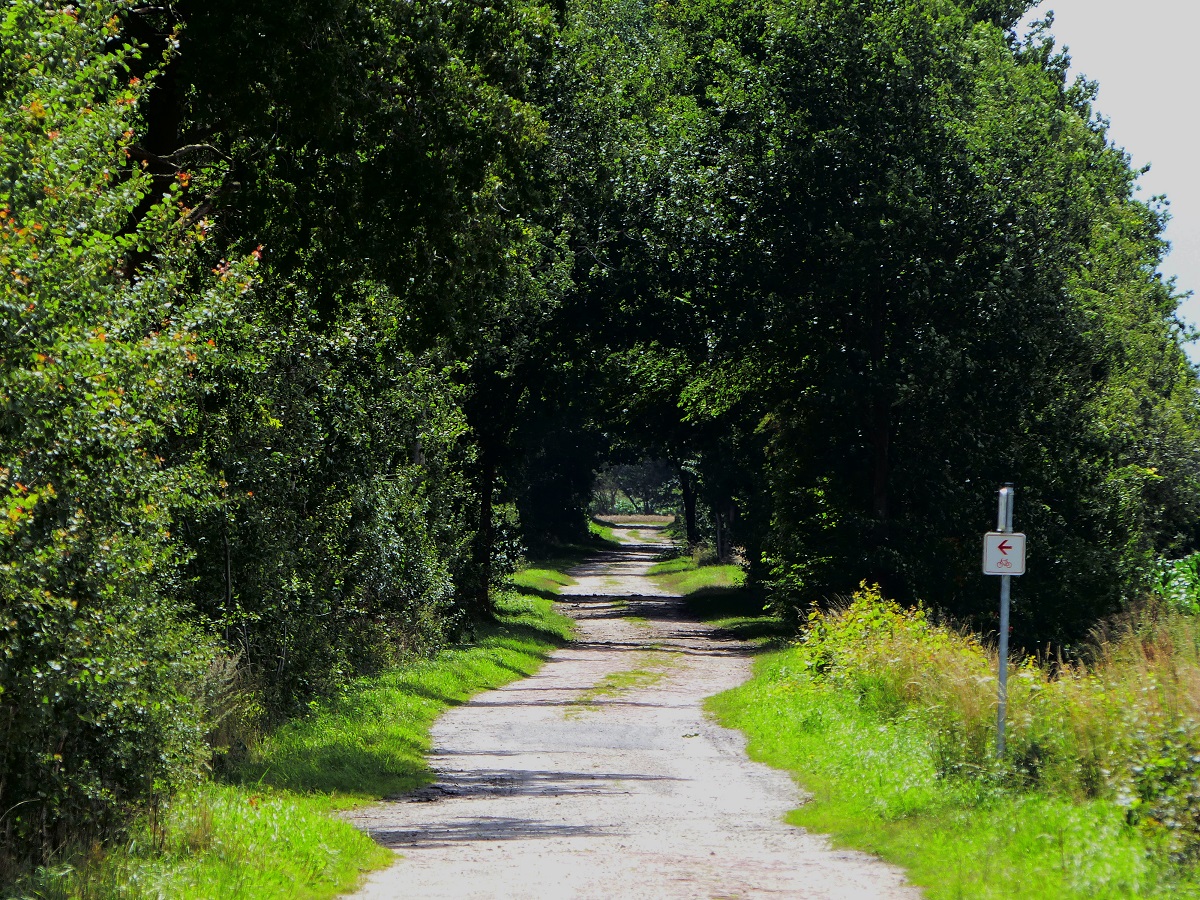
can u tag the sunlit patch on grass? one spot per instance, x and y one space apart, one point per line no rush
682 575
543 582
603 531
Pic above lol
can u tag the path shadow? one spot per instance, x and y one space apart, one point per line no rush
582 705
488 828
743 621
465 785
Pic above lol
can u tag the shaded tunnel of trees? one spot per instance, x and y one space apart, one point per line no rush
316 316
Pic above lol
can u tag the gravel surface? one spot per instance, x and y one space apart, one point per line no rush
600 777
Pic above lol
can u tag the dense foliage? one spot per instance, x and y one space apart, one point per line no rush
313 312
860 262
102 674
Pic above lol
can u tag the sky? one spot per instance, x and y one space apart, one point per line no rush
1144 55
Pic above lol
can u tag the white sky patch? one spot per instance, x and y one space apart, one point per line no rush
1143 54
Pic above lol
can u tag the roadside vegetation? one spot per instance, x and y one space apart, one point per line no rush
696 573
220 841
268 828
371 741
602 531
888 718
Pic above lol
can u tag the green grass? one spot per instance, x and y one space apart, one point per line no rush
372 743
876 786
222 842
561 557
226 841
718 595
603 531
275 833
685 576
544 582
739 613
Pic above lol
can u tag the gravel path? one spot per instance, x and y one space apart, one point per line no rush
600 777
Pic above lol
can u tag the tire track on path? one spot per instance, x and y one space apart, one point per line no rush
557 787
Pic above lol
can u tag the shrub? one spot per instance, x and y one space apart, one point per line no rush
1178 583
1124 726
101 680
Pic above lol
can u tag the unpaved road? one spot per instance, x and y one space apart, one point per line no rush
552 788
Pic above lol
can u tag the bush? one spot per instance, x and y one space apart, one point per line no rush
1178 583
1122 727
102 681
334 552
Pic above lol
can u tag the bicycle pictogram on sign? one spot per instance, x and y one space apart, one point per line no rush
1003 553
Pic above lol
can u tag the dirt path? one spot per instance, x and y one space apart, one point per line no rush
600 777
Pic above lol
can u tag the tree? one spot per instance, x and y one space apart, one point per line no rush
868 237
102 676
388 172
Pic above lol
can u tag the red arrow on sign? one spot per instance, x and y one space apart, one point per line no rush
1004 547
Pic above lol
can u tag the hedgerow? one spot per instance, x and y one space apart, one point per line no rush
103 679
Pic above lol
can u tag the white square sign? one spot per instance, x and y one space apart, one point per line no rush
1003 554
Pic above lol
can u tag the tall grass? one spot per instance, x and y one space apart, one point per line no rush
221 842
889 717
1122 726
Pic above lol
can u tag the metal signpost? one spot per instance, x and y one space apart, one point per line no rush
1004 555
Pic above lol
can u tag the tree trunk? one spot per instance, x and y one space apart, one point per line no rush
881 439
725 513
881 417
721 537
228 579
689 507
730 518
484 538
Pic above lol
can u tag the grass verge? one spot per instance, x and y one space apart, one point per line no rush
718 595
684 575
222 842
372 743
872 712
603 531
275 833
